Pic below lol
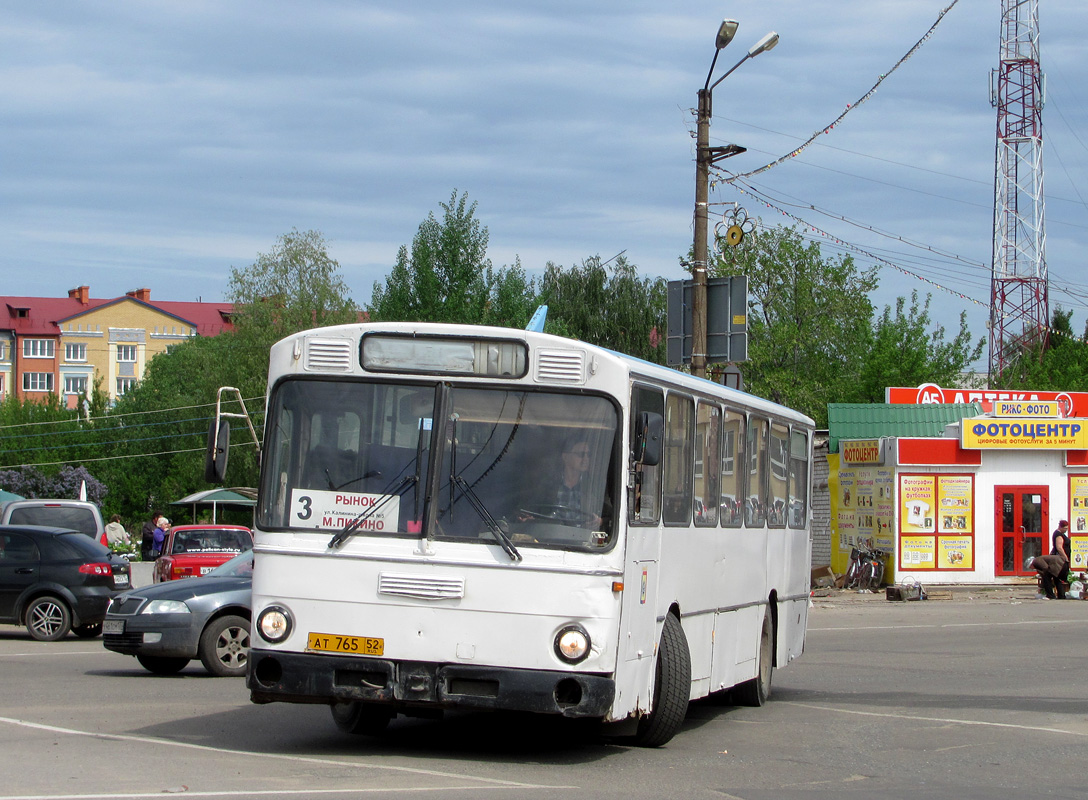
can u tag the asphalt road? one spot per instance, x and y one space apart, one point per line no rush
959 699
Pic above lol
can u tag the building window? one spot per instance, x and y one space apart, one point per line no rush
3 351
38 348
124 384
37 381
76 384
75 352
126 352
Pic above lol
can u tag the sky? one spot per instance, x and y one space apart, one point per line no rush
159 144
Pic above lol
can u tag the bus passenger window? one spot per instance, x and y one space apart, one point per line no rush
679 459
755 507
644 505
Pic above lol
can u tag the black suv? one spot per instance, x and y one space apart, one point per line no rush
55 580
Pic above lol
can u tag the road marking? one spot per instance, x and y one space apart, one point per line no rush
943 720
953 625
44 653
121 737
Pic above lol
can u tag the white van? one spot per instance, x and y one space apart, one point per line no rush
76 515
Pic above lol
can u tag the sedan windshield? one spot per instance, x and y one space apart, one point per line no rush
515 468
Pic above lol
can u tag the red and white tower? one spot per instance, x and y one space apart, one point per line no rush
1019 311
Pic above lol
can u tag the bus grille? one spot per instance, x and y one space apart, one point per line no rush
328 355
423 588
560 366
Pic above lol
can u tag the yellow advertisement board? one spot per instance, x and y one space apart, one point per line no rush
917 503
955 552
989 433
955 501
917 552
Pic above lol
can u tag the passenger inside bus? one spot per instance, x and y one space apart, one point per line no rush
566 498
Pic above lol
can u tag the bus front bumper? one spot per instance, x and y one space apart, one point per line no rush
308 678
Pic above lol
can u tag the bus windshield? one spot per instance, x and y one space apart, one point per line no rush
529 468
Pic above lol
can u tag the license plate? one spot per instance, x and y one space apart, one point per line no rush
206 570
120 580
114 626
336 643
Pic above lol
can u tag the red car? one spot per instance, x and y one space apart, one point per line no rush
193 550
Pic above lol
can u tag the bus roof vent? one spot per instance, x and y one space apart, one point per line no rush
422 587
560 366
329 355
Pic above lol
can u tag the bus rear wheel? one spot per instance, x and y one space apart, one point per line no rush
361 719
672 688
756 691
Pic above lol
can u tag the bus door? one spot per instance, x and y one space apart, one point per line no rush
1021 522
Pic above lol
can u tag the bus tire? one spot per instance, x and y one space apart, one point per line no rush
756 691
672 688
361 719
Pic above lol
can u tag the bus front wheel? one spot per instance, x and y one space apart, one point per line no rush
363 719
672 688
756 691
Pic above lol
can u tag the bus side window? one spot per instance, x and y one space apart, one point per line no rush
679 459
644 501
755 508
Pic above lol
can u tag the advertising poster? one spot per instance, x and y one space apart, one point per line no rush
917 504
917 552
885 508
955 552
865 502
846 498
1078 501
1079 547
955 495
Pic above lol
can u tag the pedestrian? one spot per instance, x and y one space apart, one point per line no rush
1060 541
1052 569
115 531
147 535
158 537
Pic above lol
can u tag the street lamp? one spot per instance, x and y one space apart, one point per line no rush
705 155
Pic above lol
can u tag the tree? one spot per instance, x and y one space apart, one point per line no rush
808 319
1061 364
607 305
295 286
903 352
444 278
31 482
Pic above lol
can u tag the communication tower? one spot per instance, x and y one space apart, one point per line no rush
1018 299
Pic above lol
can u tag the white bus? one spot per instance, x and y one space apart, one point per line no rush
483 518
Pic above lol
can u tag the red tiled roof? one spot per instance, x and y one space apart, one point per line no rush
44 314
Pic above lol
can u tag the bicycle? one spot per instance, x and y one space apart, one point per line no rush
866 568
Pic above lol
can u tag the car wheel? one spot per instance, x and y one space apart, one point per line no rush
48 619
224 646
361 719
88 631
162 665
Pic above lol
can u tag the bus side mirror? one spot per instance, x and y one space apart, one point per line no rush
215 455
651 426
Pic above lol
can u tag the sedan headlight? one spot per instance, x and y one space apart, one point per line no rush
165 607
274 624
572 644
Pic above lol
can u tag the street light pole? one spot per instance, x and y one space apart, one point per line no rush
705 155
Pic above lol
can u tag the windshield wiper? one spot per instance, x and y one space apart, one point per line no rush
342 536
485 515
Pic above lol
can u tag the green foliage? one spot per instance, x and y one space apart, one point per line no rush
447 276
295 286
903 352
1061 364
610 306
808 319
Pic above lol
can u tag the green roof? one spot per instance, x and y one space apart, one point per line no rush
874 420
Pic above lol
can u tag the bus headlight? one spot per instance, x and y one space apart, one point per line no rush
274 624
572 644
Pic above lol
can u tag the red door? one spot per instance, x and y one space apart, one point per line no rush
1021 520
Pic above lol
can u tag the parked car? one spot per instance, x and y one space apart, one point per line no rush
193 550
76 515
168 624
55 580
